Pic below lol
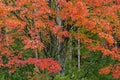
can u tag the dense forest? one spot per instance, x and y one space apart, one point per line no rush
59 39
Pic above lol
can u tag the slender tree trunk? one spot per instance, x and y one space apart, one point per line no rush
58 21
116 41
70 48
36 54
60 58
78 53
6 34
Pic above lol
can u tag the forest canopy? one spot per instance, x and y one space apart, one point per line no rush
59 39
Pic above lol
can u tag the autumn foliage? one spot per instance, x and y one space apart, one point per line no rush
36 22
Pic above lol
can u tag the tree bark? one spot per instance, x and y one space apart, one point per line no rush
79 54
70 48
60 58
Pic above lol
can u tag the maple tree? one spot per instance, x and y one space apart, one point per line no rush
98 18
20 22
45 27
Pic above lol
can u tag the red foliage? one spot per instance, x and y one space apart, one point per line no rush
34 20
12 23
109 69
116 71
51 65
105 70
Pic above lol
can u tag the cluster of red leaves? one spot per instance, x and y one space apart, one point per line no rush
33 44
61 34
49 64
108 37
3 9
105 70
75 11
44 64
12 23
110 69
90 25
96 3
116 71
118 1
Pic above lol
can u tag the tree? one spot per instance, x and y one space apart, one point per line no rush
45 27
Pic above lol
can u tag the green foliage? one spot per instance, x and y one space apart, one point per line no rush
89 68
58 77
20 73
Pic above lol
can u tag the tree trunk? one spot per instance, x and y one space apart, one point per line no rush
70 48
60 58
78 53
6 34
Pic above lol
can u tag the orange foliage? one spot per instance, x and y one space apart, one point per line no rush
34 20
105 70
116 71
